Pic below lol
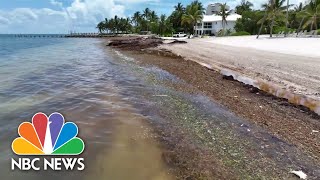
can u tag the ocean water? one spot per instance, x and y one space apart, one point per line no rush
90 85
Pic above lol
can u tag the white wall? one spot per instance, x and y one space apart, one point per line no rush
217 26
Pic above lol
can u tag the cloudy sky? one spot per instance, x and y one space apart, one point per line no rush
61 16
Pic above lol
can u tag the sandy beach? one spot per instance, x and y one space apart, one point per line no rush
291 63
285 122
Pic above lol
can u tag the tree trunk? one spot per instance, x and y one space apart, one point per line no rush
223 28
271 27
193 24
287 20
264 18
311 26
300 26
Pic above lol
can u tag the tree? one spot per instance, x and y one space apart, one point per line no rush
298 8
146 15
311 13
192 16
176 17
199 4
162 24
273 14
244 6
179 7
153 17
249 21
136 18
101 27
224 13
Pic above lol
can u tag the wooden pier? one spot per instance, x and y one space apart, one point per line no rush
39 35
71 35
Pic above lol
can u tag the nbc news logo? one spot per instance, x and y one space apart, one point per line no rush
48 136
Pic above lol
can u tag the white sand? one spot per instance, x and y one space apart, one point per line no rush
309 47
291 63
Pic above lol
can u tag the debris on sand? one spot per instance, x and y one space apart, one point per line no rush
139 43
300 174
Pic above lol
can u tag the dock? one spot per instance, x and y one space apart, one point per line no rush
71 35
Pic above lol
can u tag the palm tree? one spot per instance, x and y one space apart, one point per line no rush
112 25
192 16
179 7
136 18
224 13
105 24
153 17
244 6
162 24
311 13
199 4
297 13
176 16
273 12
146 13
101 27
298 8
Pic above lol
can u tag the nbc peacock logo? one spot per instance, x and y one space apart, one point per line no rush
48 136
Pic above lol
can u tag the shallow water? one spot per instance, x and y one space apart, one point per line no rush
112 99
91 86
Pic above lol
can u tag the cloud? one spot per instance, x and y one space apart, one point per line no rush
94 10
56 3
135 1
4 21
26 20
80 15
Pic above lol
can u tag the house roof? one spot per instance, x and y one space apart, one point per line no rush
212 18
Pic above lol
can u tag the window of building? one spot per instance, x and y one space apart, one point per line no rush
207 25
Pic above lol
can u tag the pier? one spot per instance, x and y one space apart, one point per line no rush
39 35
71 35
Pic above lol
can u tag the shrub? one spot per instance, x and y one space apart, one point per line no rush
278 29
240 33
318 32
222 32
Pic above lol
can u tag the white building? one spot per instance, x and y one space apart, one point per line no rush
211 23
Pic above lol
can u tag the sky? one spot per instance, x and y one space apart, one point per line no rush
62 16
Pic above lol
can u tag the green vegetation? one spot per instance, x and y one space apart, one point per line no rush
224 14
244 7
274 10
181 19
271 18
193 14
240 33
279 29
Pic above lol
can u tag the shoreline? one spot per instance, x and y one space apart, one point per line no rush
293 124
292 77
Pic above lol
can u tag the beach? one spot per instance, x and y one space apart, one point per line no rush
146 111
295 125
291 63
